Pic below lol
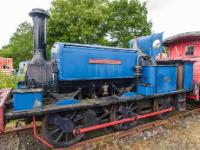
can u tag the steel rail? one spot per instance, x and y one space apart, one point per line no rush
108 137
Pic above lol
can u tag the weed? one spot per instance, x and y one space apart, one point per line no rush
8 80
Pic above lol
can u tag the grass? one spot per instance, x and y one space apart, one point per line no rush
8 81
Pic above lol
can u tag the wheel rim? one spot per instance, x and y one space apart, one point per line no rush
56 135
160 104
123 111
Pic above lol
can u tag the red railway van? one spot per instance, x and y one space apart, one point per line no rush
186 46
6 65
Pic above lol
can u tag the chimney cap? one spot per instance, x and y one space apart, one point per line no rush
39 12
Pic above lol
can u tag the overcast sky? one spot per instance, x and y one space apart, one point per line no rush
170 16
14 12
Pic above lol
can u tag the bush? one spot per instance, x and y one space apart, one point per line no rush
8 81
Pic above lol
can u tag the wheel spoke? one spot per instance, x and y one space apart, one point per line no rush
122 112
73 115
130 106
104 115
67 137
126 105
106 111
160 104
54 131
119 117
78 118
59 136
119 112
161 107
133 108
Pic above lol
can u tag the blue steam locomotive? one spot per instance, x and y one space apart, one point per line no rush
89 87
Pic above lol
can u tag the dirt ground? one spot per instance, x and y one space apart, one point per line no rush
23 141
181 135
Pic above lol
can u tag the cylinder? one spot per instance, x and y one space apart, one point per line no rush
39 31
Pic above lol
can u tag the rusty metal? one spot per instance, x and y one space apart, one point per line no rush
180 76
25 128
37 136
4 93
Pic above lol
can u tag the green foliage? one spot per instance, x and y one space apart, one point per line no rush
20 47
111 23
78 21
127 19
8 81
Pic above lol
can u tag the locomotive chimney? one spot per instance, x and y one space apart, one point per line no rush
39 33
38 72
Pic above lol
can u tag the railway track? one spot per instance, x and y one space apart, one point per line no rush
20 129
134 131
111 136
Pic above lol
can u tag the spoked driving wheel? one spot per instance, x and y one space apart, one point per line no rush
160 104
123 111
58 128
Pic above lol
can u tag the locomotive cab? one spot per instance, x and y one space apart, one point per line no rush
186 47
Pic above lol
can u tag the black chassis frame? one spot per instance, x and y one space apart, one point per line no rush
85 104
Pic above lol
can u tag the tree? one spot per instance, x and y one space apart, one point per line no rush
78 21
20 47
127 19
105 22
